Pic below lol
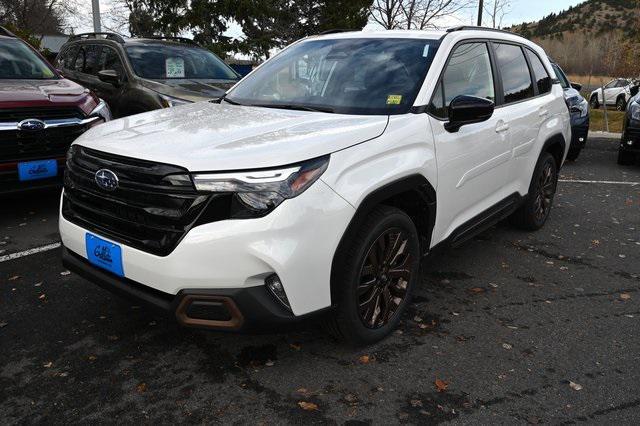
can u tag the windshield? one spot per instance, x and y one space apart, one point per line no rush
163 61
347 76
563 78
18 61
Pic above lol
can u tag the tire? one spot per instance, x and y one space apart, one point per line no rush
621 104
626 158
573 153
359 277
594 103
536 208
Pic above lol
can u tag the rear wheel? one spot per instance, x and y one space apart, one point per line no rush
374 278
594 102
535 211
626 158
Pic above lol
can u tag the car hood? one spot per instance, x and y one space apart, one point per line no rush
45 93
190 89
205 136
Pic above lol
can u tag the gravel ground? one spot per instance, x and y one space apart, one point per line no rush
511 327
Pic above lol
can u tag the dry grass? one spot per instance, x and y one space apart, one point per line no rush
595 79
597 120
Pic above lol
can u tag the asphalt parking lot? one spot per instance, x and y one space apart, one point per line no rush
509 328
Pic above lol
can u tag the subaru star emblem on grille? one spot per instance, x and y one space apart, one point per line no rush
106 179
31 124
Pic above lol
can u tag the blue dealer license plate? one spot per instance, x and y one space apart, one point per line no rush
32 170
104 254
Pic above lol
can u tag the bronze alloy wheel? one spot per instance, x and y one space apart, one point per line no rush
546 191
384 277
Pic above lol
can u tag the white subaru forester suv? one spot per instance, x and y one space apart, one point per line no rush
320 181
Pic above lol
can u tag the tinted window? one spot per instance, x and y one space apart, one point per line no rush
67 58
468 73
564 82
78 64
92 53
542 78
516 79
109 60
623 83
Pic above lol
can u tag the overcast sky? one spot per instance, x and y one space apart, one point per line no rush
521 11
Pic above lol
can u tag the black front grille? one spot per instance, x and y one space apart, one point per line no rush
153 207
19 114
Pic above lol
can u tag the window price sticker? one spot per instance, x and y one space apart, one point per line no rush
394 99
174 67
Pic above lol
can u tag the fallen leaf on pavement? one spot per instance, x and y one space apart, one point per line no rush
476 290
365 359
15 277
575 386
92 357
625 296
308 406
295 346
42 296
3 324
48 364
65 273
141 388
507 346
441 385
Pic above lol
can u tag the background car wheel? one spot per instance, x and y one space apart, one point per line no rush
573 153
373 281
594 102
626 158
534 212
621 104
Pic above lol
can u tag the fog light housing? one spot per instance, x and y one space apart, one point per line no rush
580 140
629 143
276 288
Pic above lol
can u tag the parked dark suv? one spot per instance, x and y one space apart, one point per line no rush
141 74
41 114
579 109
629 150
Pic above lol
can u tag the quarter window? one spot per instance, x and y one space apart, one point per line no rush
468 73
540 74
516 78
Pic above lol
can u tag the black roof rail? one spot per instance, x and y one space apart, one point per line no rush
335 31
179 39
6 32
107 36
475 28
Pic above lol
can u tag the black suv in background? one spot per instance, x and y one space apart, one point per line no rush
579 109
142 74
629 150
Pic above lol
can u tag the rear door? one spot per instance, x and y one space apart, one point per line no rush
85 67
108 59
473 162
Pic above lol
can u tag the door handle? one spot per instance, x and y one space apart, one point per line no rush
500 128
543 113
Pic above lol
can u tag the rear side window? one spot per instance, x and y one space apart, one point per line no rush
109 60
467 73
540 74
67 58
516 79
92 54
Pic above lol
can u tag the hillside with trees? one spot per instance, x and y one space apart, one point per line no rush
597 37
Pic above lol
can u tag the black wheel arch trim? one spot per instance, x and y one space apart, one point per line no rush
412 183
556 139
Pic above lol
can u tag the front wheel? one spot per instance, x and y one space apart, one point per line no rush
374 277
536 208
621 104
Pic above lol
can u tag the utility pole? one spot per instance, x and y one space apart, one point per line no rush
96 15
480 9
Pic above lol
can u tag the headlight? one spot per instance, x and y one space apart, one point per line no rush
580 107
101 110
256 193
168 101
634 110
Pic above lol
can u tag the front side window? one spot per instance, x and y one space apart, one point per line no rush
516 78
349 76
623 83
158 61
18 61
467 73
564 82
543 81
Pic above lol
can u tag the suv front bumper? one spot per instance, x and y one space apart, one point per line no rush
296 241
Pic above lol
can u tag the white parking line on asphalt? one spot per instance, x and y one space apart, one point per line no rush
29 252
605 182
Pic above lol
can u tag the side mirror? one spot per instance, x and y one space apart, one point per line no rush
466 110
109 76
634 90
577 86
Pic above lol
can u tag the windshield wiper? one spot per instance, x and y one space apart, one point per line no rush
224 98
295 107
